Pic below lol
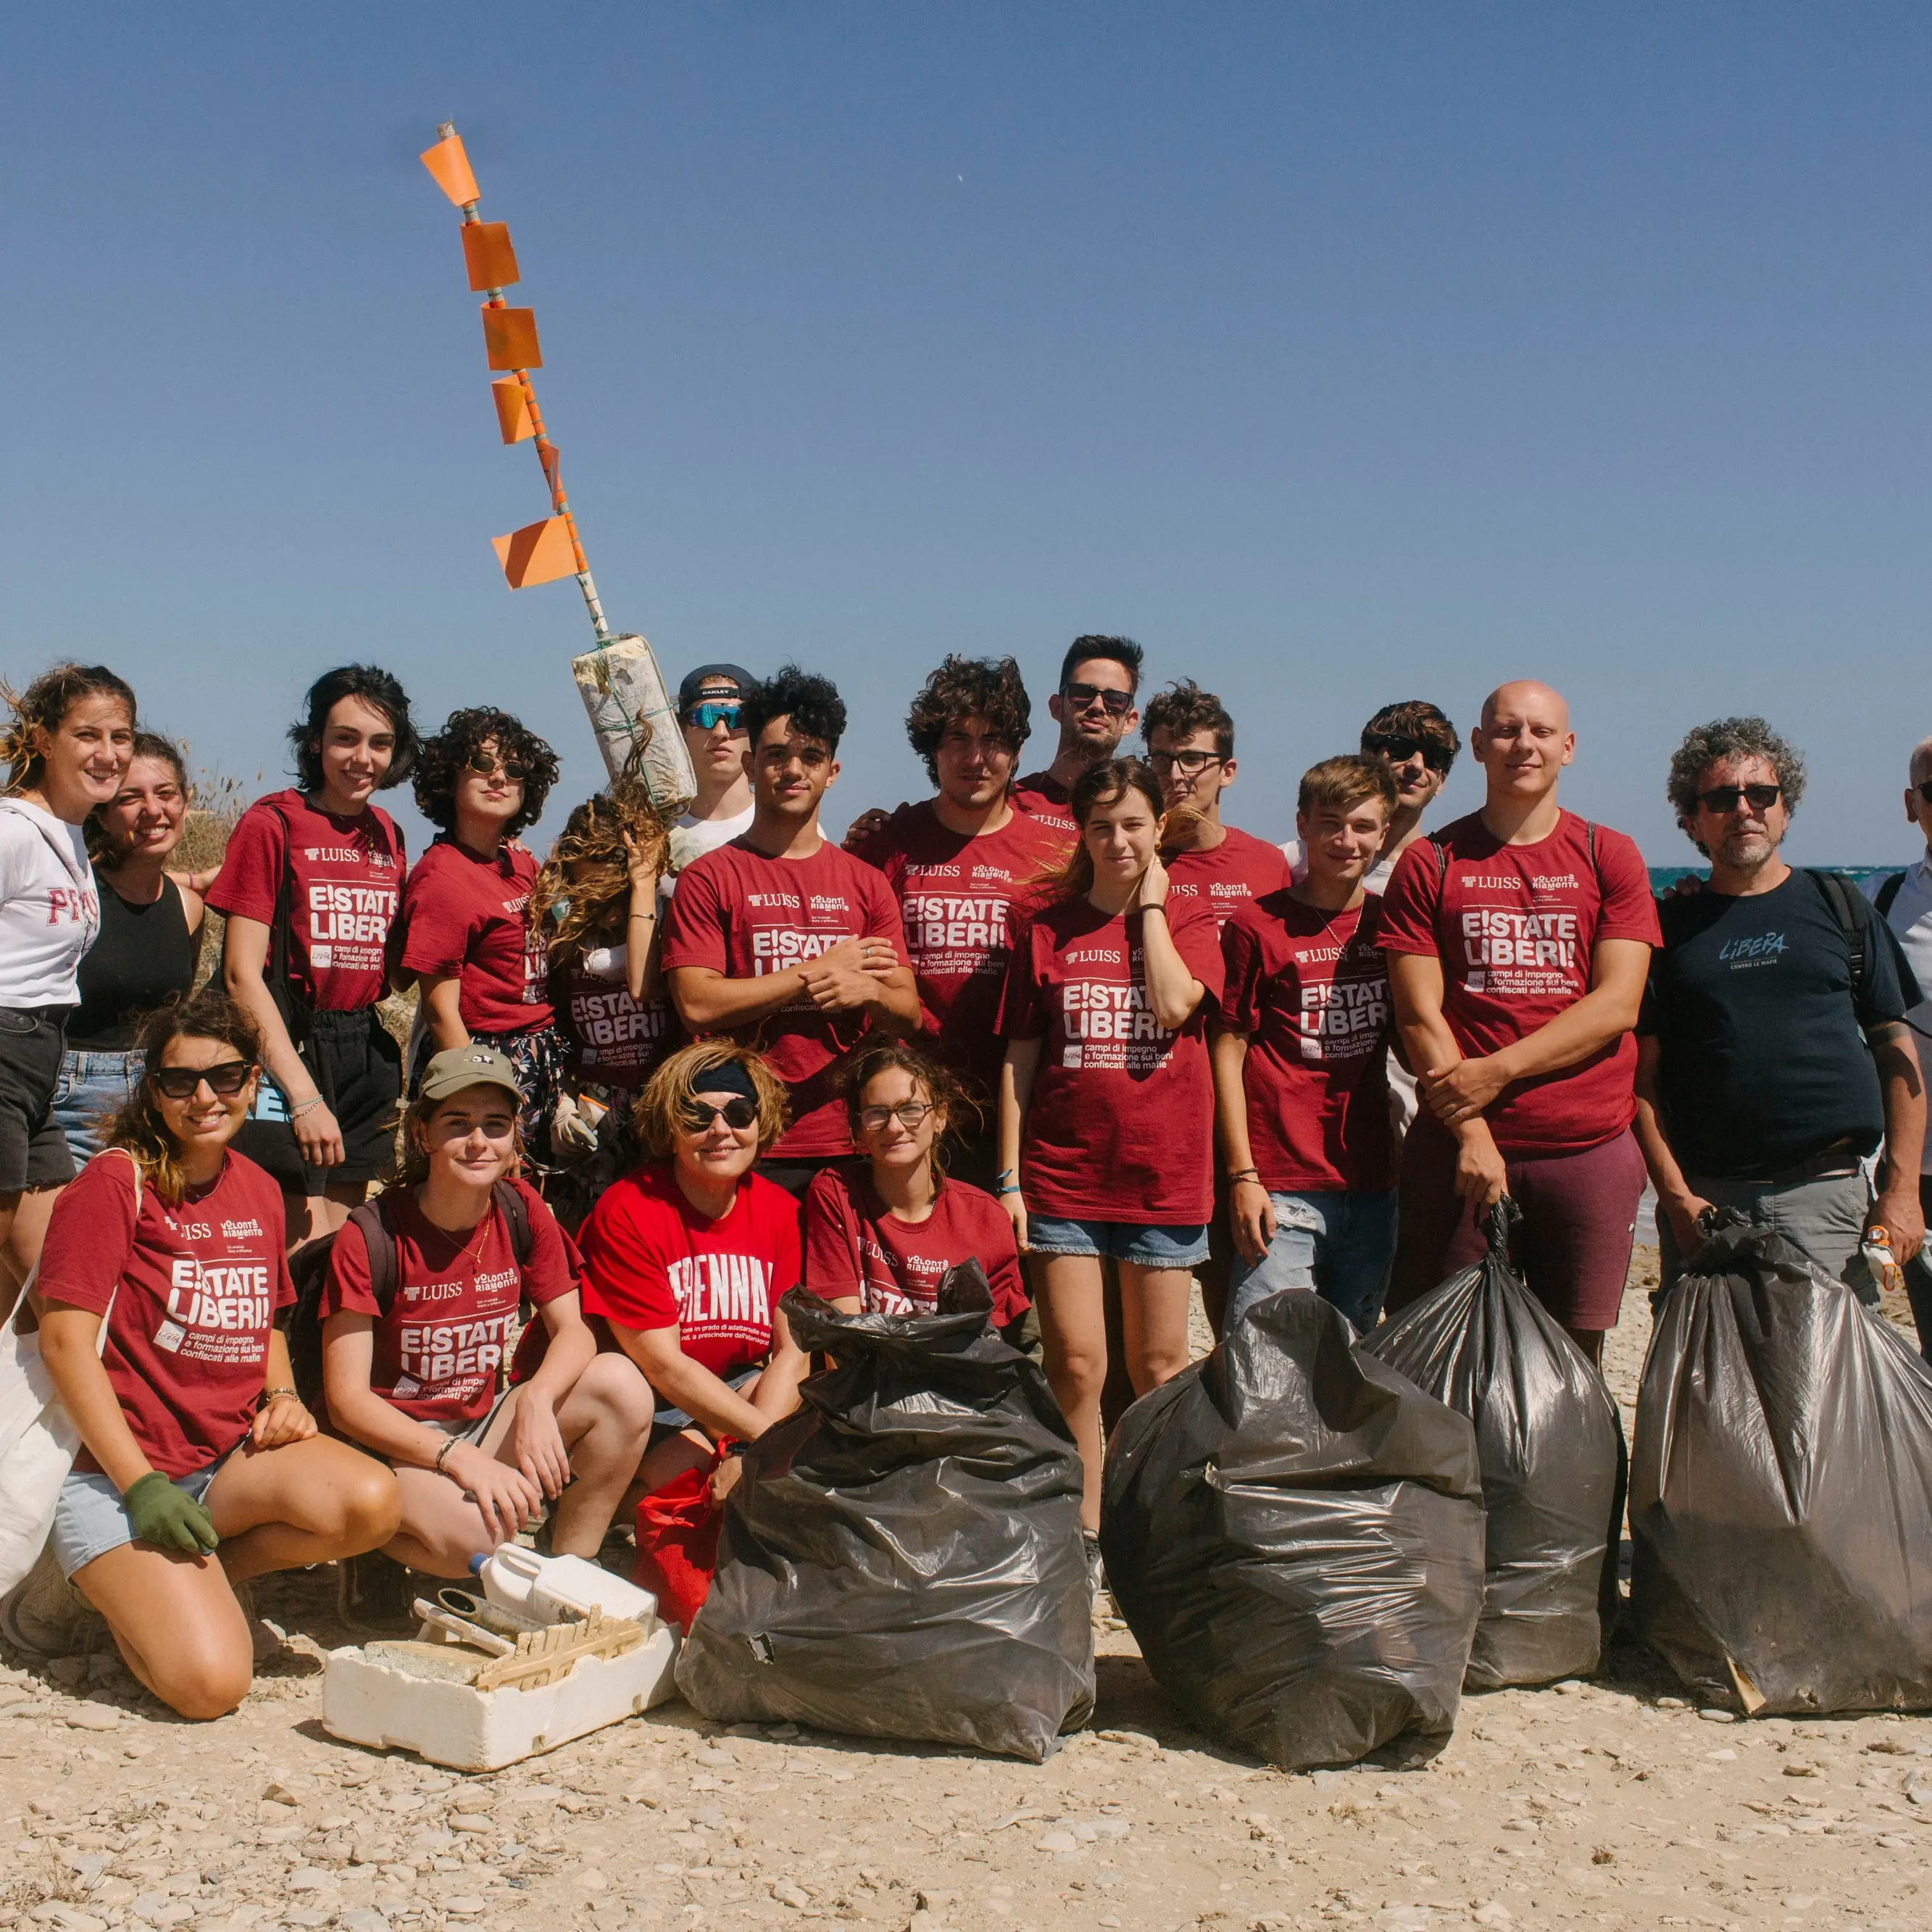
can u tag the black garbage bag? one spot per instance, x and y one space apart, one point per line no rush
1781 1488
1551 1446
901 1557
1294 1533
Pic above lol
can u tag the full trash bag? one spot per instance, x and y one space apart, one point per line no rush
1551 1446
901 1557
1293 1532
1781 1488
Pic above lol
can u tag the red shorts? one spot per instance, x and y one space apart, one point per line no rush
1578 1221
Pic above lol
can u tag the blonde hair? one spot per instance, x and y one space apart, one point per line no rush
596 900
682 1075
138 1125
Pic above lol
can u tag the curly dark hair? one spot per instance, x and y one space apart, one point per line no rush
374 686
1724 739
812 703
1416 718
1122 651
1183 708
990 689
443 758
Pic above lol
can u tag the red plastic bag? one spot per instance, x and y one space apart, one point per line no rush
677 1544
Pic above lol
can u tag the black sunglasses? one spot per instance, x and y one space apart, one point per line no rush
1399 750
1080 696
226 1078
484 764
1722 799
738 1113
1925 791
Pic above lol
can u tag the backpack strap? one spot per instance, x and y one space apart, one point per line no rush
516 1213
1853 911
1888 891
295 1014
385 1262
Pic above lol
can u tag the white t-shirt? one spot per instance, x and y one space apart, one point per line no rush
692 838
49 909
1374 879
1910 917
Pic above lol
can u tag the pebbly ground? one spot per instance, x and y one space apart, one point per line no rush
1610 1803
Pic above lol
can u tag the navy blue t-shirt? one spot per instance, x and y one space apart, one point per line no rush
1764 1062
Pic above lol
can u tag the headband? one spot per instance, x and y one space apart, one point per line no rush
733 1077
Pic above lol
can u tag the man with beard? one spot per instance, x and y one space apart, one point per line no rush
1094 709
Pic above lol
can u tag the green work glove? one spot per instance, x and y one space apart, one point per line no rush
168 1517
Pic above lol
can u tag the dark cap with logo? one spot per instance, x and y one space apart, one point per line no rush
709 680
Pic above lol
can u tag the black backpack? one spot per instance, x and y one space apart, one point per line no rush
310 1270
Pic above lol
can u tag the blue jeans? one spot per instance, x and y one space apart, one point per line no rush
91 1085
1338 1244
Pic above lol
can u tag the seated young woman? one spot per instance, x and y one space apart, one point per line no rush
687 1256
880 1233
415 1376
200 1468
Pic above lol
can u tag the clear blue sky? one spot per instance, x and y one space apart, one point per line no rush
1337 353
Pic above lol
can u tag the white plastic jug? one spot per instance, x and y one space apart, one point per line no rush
552 1589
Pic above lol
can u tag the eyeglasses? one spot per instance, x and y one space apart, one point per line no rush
484 763
1082 696
226 1078
1722 799
738 1114
1189 764
1399 750
705 715
909 1114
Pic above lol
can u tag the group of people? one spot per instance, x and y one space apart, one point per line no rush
1068 1024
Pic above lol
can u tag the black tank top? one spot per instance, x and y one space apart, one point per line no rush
144 957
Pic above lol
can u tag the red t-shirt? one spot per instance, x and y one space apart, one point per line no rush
1515 927
348 876
464 916
1310 989
199 1285
440 1343
1042 795
854 1244
1121 1125
1238 870
745 915
960 898
608 1036
651 1260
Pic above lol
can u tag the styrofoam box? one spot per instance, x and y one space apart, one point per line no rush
468 1729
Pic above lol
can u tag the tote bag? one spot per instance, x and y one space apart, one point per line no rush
38 1441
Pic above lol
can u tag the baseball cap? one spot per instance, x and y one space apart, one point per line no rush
457 1068
692 688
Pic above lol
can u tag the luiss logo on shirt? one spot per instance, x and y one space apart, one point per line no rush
431 1353
1110 1026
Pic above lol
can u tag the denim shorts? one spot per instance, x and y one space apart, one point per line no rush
1133 1241
669 1421
92 1085
90 1518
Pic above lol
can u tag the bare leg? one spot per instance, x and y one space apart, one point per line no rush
177 1625
1067 1289
306 1502
1153 1317
23 1227
605 1422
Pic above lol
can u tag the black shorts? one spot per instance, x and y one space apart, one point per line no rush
357 1070
796 1176
34 1151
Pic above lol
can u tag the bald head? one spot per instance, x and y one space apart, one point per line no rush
1921 767
1525 698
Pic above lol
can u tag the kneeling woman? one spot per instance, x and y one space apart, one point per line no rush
413 1339
687 1257
200 1468
880 1233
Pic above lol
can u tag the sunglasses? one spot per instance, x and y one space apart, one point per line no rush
1925 791
738 1114
484 763
1082 696
1399 750
705 715
908 1113
226 1078
1189 764
1721 799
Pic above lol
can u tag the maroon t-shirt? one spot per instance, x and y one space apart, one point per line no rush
961 898
607 1036
440 1342
195 1289
1237 872
1121 1124
745 915
1515 927
465 918
348 874
1310 990
854 1244
1042 795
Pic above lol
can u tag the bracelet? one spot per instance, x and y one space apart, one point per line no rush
1244 1174
650 915
296 1112
269 1394
1005 1174
442 1455
1009 1189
